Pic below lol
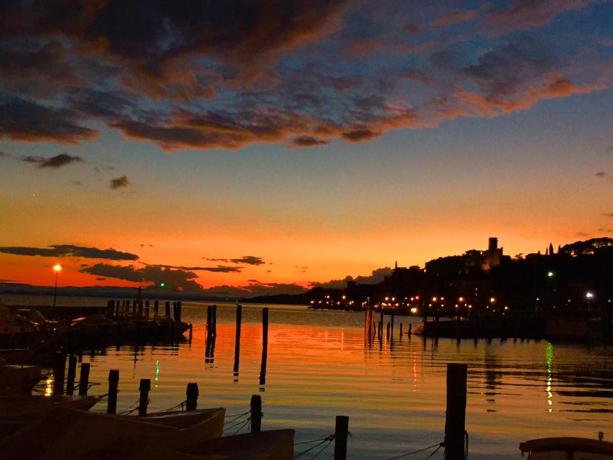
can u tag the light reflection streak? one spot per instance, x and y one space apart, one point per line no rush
156 378
549 385
48 387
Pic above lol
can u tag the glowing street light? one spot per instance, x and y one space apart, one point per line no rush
550 274
57 268
589 295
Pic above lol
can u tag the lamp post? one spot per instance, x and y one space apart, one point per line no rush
57 268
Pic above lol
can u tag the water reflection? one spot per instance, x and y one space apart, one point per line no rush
549 370
319 364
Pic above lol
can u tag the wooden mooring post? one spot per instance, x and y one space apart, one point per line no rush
167 309
111 405
72 373
191 396
143 401
59 367
264 346
84 379
392 327
341 430
256 413
237 339
456 412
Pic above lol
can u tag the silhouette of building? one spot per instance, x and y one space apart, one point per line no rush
469 261
493 256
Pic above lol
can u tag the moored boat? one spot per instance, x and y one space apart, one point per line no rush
11 406
565 448
66 433
209 420
264 445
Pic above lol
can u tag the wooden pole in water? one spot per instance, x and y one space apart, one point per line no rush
72 372
179 312
156 308
256 413
400 335
237 338
264 345
143 402
341 431
58 373
392 327
456 411
191 393
111 406
167 308
84 379
147 308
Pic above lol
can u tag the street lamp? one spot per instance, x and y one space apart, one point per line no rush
57 268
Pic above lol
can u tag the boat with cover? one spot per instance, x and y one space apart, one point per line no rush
20 405
211 420
567 448
66 433
264 445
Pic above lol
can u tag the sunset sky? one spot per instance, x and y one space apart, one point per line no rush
271 145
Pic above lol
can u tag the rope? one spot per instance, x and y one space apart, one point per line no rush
438 445
134 407
318 453
327 439
236 423
234 416
310 441
434 451
243 425
180 405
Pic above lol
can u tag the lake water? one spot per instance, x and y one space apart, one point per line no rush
394 392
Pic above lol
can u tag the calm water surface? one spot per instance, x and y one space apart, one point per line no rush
394 392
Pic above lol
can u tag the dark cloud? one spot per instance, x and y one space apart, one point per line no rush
54 162
119 182
23 120
503 71
529 14
601 174
217 269
184 280
358 135
41 72
454 17
68 250
308 141
608 214
255 288
201 75
247 260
